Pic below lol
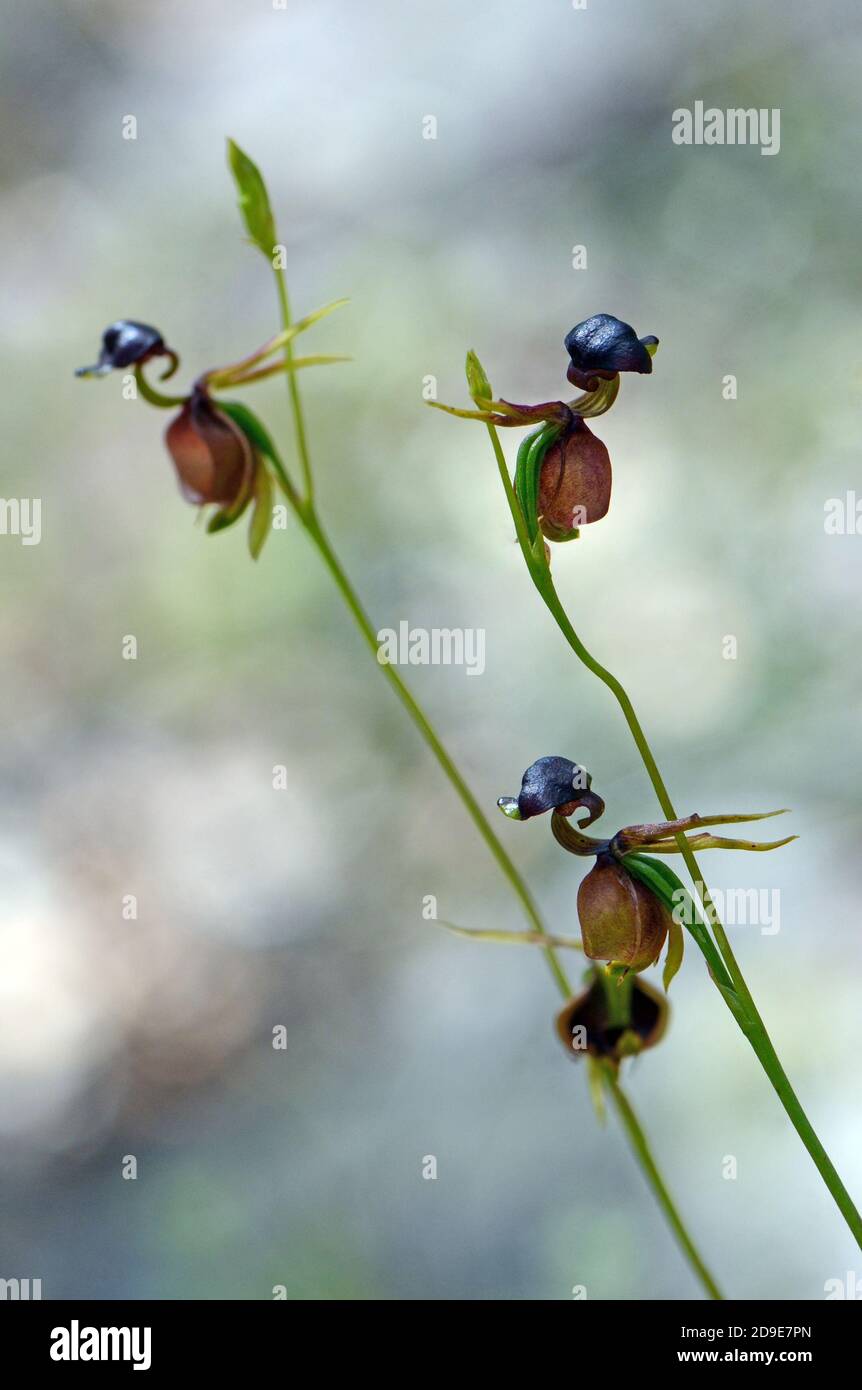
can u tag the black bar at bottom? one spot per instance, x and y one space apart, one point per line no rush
151 1339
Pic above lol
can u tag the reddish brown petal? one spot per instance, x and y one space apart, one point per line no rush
621 920
212 456
574 482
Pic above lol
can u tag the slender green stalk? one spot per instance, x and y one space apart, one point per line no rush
739 1000
312 525
654 1177
152 396
293 388
307 514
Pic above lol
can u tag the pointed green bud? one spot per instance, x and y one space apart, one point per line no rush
253 199
477 382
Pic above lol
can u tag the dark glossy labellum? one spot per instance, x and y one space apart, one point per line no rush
621 919
126 344
213 457
574 482
603 345
608 1038
548 783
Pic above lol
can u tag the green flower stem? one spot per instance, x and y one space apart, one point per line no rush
313 527
307 514
739 1000
639 1144
154 397
293 387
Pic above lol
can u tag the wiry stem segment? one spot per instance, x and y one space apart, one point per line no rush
293 385
639 1144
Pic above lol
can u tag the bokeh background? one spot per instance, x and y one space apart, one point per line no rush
259 908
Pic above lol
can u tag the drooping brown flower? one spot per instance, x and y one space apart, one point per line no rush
629 902
213 457
574 482
621 920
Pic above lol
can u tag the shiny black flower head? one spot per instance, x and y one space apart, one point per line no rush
127 344
601 346
550 784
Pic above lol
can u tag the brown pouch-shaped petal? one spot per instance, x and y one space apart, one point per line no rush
213 458
574 482
621 919
585 1024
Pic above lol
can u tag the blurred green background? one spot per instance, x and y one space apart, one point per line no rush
302 908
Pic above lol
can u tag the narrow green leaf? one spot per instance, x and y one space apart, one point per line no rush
661 879
253 200
664 882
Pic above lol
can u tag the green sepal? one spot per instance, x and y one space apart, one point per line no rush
260 439
254 202
250 425
261 517
675 952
